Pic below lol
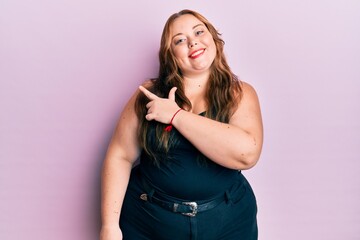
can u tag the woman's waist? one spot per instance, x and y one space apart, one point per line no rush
185 186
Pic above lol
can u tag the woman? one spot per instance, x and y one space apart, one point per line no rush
194 128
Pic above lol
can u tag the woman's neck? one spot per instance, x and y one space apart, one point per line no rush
196 82
195 91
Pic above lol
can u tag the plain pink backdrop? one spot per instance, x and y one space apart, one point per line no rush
68 67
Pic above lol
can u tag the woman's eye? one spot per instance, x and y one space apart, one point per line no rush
179 41
199 32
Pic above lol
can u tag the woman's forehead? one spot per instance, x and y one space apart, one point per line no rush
184 23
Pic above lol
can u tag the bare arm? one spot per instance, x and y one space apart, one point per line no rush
236 145
122 152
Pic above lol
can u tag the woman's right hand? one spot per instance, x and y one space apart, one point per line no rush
111 233
160 109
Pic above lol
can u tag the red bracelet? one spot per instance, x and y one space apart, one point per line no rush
169 127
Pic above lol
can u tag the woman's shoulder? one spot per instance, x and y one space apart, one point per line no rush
243 90
149 83
249 100
247 89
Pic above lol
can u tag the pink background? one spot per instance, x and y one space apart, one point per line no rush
67 68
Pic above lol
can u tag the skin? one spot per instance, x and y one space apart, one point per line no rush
236 145
188 36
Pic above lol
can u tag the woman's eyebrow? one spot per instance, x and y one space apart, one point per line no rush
200 24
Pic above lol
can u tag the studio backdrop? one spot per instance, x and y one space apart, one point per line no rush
68 67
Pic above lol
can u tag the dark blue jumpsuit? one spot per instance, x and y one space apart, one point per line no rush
185 175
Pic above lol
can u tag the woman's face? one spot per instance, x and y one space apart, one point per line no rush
192 45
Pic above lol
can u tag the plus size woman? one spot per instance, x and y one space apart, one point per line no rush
193 129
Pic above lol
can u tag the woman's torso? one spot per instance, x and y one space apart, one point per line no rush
184 172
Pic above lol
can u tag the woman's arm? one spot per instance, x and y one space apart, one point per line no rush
122 152
236 145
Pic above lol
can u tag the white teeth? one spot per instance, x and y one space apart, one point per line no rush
197 53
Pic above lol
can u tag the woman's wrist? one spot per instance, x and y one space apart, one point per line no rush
178 117
110 225
168 128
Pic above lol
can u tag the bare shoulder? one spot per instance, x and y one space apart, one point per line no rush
249 103
128 118
248 90
248 114
131 103
148 83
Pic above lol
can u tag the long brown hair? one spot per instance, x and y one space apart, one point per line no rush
223 91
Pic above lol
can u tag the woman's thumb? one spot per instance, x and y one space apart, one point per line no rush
172 93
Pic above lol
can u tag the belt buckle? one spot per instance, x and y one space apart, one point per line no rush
194 208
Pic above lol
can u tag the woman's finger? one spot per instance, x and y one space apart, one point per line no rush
172 94
149 104
149 116
147 93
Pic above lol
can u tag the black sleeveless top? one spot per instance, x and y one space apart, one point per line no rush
184 172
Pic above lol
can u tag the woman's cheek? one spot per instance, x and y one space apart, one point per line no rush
179 52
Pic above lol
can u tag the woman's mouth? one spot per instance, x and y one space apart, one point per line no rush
197 53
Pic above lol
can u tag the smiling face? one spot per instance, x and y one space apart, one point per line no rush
192 45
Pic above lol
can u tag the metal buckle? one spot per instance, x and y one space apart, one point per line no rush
144 197
194 209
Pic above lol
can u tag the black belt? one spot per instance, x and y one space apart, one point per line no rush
185 208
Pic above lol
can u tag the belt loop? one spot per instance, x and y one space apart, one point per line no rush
227 197
150 195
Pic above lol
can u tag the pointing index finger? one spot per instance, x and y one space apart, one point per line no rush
147 93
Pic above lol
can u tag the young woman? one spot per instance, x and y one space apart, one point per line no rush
194 128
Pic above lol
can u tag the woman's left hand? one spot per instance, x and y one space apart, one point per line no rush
160 109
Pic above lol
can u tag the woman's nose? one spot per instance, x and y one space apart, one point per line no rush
192 43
